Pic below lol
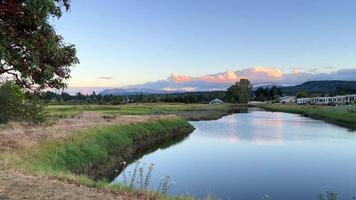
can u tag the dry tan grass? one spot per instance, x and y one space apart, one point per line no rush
16 135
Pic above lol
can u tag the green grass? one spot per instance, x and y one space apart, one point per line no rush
341 115
86 149
74 158
133 109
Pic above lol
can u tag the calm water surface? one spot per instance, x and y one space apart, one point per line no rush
247 155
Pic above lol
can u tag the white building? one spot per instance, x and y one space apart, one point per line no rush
328 100
216 101
303 100
287 99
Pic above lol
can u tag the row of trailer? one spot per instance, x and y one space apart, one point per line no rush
328 100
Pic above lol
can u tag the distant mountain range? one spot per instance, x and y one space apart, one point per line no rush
133 91
309 86
318 86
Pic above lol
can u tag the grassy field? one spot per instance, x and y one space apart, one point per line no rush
341 115
81 156
187 111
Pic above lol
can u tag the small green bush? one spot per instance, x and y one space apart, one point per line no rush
16 105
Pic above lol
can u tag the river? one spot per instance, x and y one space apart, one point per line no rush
249 155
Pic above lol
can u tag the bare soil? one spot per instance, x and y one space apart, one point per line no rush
16 185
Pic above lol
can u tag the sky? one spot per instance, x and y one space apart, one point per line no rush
128 42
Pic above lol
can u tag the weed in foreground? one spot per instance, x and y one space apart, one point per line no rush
140 178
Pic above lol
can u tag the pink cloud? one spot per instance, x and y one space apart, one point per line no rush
257 75
180 78
227 77
253 73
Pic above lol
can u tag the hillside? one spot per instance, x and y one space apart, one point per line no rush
312 87
131 91
319 87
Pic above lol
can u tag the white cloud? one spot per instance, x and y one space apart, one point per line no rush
257 75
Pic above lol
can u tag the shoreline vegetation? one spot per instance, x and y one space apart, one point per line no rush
344 115
88 155
94 143
97 151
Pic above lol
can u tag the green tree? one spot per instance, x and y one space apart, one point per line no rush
275 93
245 88
302 94
260 97
31 52
231 94
17 106
240 92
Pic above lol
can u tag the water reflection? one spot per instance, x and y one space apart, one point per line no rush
151 149
248 155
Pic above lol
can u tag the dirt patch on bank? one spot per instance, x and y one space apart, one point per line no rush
15 136
16 185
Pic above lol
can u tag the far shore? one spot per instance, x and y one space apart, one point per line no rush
344 115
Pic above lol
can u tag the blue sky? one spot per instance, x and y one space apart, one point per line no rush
135 41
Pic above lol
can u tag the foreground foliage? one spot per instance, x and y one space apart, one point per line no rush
31 52
15 105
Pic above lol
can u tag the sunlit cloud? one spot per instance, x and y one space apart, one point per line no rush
258 75
179 78
227 77
270 72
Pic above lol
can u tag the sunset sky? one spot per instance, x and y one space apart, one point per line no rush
134 41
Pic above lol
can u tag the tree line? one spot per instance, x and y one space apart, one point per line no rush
79 98
240 92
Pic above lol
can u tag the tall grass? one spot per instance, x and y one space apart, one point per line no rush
139 178
99 148
75 158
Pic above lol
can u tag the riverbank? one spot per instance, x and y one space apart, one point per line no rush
96 152
75 152
340 115
84 143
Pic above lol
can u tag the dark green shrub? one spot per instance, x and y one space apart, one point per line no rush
16 105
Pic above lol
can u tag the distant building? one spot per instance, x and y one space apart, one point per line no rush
287 99
328 100
216 101
303 101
